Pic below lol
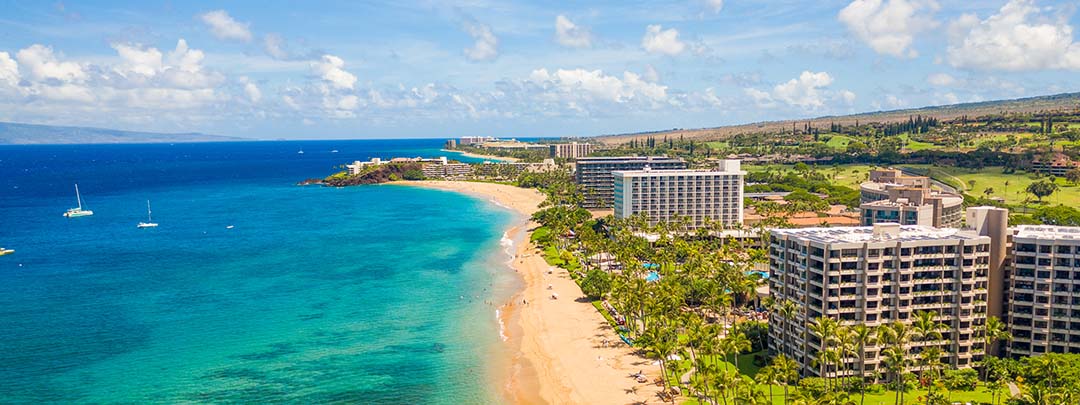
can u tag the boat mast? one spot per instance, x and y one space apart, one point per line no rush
77 197
148 217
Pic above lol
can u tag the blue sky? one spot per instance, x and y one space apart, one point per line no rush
391 69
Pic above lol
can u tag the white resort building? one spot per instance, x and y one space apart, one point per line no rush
695 195
875 275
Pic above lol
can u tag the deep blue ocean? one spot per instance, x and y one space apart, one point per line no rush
370 294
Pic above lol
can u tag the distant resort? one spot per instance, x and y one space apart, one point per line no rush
814 276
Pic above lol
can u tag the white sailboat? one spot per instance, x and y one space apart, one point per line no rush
78 212
149 219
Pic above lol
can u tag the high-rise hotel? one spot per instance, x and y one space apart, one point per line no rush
875 275
593 175
697 196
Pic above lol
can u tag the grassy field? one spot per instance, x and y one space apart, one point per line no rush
885 397
839 142
992 177
844 175
914 145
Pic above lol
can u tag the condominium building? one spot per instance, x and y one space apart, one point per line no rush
891 196
1044 291
875 275
698 196
475 140
572 150
594 176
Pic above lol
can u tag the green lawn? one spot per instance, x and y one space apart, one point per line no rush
839 142
914 145
994 178
844 175
885 397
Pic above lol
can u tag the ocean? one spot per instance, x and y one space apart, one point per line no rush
252 289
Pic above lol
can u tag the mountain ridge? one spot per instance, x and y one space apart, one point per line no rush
13 133
1035 104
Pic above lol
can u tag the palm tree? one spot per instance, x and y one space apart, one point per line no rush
786 372
862 336
825 329
895 335
786 310
993 331
895 359
738 344
767 376
927 326
931 363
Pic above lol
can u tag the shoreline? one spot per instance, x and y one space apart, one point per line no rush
558 350
504 159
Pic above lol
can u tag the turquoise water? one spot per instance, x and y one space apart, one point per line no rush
372 294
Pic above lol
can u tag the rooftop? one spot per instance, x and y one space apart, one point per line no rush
616 159
1048 232
860 234
676 172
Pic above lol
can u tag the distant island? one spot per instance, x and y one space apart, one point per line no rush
30 134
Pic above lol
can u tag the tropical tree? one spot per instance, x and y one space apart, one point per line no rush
1042 188
862 336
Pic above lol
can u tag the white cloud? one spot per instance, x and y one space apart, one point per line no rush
331 69
847 96
808 91
941 79
274 46
651 74
487 44
595 85
1017 38
251 90
223 26
659 40
804 90
888 26
9 70
715 5
137 60
42 65
571 35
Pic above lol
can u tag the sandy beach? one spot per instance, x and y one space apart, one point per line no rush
488 157
560 343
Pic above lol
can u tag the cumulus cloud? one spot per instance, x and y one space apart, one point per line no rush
941 79
486 46
330 68
42 64
224 27
9 69
274 45
595 85
571 35
251 90
1017 38
659 40
889 26
808 91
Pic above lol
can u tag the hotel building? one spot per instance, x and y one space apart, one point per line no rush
698 196
1044 291
594 176
572 150
893 197
875 275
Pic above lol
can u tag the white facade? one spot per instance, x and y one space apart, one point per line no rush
695 195
1044 291
876 275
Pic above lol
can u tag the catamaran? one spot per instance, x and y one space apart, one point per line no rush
149 219
78 212
6 251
